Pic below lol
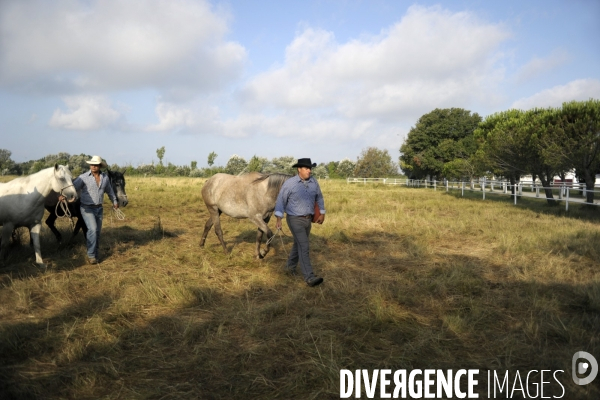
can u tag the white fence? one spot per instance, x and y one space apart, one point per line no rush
529 189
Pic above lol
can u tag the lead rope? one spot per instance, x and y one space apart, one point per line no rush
280 234
118 214
62 204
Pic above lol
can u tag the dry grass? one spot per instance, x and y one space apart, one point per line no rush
413 279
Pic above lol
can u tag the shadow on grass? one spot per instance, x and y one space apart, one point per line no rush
416 309
538 205
73 254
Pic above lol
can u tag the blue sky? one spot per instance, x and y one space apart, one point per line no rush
320 79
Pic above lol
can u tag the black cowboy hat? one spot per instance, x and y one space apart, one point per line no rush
304 162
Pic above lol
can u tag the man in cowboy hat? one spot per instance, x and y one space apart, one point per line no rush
92 185
297 199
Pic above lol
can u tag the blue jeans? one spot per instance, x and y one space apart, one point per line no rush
92 216
300 228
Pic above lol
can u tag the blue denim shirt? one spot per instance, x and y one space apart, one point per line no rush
89 191
297 197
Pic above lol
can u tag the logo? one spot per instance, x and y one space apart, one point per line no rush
580 367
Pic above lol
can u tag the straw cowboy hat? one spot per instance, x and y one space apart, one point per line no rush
97 160
304 162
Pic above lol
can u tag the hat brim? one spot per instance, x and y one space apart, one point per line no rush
102 164
304 165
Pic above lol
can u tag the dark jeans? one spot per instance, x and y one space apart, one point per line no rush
92 216
300 228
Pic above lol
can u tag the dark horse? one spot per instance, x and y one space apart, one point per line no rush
117 182
249 196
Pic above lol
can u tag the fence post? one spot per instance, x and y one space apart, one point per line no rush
446 185
520 188
434 185
567 201
516 192
483 187
504 187
560 192
537 191
463 189
491 186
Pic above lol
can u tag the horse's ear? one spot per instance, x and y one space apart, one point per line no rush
56 166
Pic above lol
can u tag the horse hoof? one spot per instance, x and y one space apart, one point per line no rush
262 254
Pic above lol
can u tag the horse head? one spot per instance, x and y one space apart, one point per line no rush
62 182
117 181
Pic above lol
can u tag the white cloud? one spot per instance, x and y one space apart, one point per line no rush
537 66
85 113
68 46
431 58
579 90
172 117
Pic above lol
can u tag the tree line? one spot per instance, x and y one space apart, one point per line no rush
541 142
372 162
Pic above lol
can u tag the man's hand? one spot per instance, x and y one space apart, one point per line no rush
61 198
115 206
278 223
321 219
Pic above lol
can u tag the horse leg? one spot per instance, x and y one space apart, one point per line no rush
50 222
6 232
259 235
216 221
207 227
262 228
79 225
34 232
218 230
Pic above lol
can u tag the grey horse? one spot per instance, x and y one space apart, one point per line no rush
251 196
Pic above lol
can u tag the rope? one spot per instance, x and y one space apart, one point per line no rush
118 214
64 206
280 234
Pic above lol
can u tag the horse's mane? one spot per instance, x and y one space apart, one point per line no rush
275 179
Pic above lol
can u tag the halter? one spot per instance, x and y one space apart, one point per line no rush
66 187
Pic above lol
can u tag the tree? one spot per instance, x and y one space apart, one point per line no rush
236 165
282 165
375 163
331 169
257 164
160 153
515 145
320 171
438 137
6 163
577 140
504 153
211 158
193 165
345 168
78 163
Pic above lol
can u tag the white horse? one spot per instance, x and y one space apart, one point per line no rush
22 203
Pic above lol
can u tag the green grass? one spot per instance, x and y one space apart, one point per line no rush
413 279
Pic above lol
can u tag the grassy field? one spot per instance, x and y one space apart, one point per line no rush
413 279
